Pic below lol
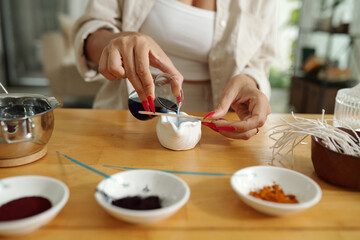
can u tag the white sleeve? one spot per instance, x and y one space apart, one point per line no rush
100 14
259 65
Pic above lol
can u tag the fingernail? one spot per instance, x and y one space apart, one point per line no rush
209 114
178 98
227 128
215 129
210 125
146 106
151 103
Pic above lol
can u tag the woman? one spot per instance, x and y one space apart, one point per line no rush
219 52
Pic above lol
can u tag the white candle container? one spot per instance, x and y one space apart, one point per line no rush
178 133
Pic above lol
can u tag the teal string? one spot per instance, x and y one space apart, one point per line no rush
85 166
170 171
2 139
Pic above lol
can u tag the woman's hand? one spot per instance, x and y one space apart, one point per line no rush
129 55
248 102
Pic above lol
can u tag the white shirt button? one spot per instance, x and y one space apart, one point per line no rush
223 23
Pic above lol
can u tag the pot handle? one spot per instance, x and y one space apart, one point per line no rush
27 137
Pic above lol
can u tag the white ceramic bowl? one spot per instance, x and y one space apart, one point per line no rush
31 185
182 135
172 191
306 190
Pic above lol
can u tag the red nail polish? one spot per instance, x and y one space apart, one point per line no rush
215 129
151 103
178 98
209 114
146 106
227 128
210 125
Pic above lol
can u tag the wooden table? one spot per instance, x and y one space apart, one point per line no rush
214 211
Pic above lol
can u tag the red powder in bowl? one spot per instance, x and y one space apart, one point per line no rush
23 208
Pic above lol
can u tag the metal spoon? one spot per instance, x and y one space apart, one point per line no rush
108 198
4 88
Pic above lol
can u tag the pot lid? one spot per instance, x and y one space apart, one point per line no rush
23 105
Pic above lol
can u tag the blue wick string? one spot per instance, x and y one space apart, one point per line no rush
85 166
168 171
177 172
124 184
178 119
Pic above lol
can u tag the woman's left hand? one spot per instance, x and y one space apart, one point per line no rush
248 102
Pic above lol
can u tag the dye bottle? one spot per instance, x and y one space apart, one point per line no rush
164 100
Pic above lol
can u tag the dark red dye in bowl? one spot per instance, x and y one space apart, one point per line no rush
138 203
23 208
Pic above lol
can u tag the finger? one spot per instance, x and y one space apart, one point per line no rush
210 125
114 65
227 98
252 122
236 135
259 109
142 69
240 126
103 68
161 61
127 54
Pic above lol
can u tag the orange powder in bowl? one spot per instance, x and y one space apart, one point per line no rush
274 194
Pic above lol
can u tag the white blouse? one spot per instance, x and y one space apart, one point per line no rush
185 33
243 42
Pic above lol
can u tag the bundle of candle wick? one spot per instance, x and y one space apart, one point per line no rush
289 134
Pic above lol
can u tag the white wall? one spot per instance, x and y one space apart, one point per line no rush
285 34
355 30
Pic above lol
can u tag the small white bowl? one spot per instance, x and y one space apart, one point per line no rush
306 190
178 133
172 191
31 185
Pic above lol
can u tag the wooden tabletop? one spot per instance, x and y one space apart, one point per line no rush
214 211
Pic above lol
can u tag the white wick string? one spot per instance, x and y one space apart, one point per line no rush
286 135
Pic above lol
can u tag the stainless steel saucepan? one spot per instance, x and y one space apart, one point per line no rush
26 123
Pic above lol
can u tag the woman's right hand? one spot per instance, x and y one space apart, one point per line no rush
129 55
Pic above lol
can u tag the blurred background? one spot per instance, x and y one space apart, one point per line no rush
318 52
